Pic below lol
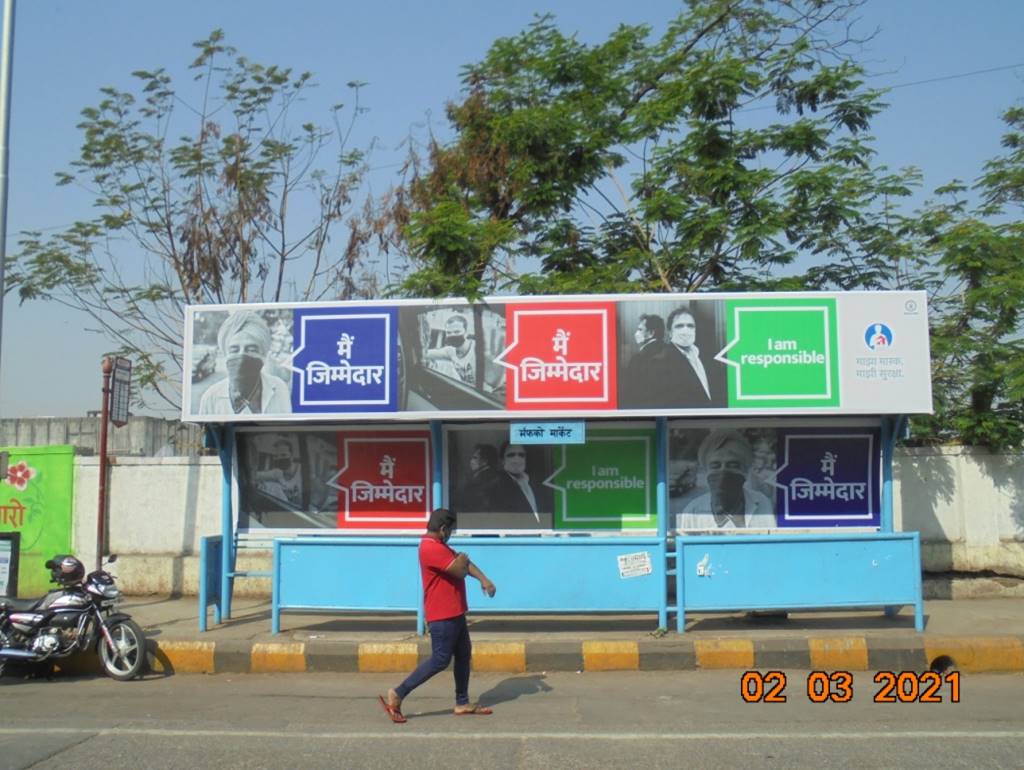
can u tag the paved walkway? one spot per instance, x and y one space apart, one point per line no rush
971 635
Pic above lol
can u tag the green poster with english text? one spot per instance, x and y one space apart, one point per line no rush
608 482
782 353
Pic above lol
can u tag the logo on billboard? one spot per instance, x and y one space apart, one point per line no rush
878 337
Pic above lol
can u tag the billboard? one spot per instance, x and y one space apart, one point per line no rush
743 476
522 357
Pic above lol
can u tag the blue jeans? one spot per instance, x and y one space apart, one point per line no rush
448 638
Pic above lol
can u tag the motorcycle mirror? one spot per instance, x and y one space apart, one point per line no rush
112 558
50 564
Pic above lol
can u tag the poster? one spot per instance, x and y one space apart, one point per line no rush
308 480
732 476
494 484
606 483
707 355
35 501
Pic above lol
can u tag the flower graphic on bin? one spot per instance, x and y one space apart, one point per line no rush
18 475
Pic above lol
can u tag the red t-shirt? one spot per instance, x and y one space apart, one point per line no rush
444 596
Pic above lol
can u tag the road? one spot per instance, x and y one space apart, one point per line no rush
618 719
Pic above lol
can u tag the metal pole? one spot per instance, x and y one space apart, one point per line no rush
6 65
101 512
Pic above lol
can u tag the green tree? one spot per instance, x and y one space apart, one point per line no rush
209 193
709 157
977 292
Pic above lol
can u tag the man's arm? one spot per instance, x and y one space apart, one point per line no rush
459 566
487 586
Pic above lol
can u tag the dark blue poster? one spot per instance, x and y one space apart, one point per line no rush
345 360
828 477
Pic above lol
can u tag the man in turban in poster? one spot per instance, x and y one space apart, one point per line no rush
244 342
725 458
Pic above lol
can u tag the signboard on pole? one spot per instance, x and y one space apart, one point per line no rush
121 392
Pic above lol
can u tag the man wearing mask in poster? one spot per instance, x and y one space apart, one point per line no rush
283 479
679 376
484 476
725 458
244 342
456 357
515 491
650 342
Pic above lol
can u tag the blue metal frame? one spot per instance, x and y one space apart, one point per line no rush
210 569
815 571
533 574
579 574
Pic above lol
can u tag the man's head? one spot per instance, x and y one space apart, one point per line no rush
244 340
513 458
484 456
283 457
725 456
442 523
682 328
456 329
648 328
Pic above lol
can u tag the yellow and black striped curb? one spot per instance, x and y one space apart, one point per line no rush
830 653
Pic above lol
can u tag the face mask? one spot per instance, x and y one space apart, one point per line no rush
243 368
455 340
283 463
727 485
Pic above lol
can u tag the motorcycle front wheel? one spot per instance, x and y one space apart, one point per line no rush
129 656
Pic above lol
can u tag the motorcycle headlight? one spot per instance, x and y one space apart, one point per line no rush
111 592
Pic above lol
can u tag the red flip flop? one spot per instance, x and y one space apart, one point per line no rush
477 710
395 714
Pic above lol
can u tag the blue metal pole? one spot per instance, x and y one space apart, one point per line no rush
202 583
888 442
275 591
227 566
437 447
661 447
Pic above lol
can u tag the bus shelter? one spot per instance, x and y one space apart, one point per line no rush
597 449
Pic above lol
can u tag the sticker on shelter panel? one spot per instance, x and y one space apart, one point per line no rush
560 356
828 478
344 360
606 483
383 479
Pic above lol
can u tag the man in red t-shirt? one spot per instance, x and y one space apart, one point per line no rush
444 600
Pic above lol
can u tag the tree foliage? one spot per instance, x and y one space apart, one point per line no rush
710 156
209 192
731 152
977 292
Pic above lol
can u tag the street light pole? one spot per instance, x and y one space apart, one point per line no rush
6 65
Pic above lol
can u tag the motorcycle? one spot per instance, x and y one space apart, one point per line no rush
75 617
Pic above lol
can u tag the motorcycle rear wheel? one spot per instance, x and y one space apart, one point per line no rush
130 656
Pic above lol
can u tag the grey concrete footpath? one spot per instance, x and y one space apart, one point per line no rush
969 635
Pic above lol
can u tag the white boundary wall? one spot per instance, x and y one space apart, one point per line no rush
967 504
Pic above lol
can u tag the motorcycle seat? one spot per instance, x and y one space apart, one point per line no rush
17 605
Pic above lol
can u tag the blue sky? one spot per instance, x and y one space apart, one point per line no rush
410 54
